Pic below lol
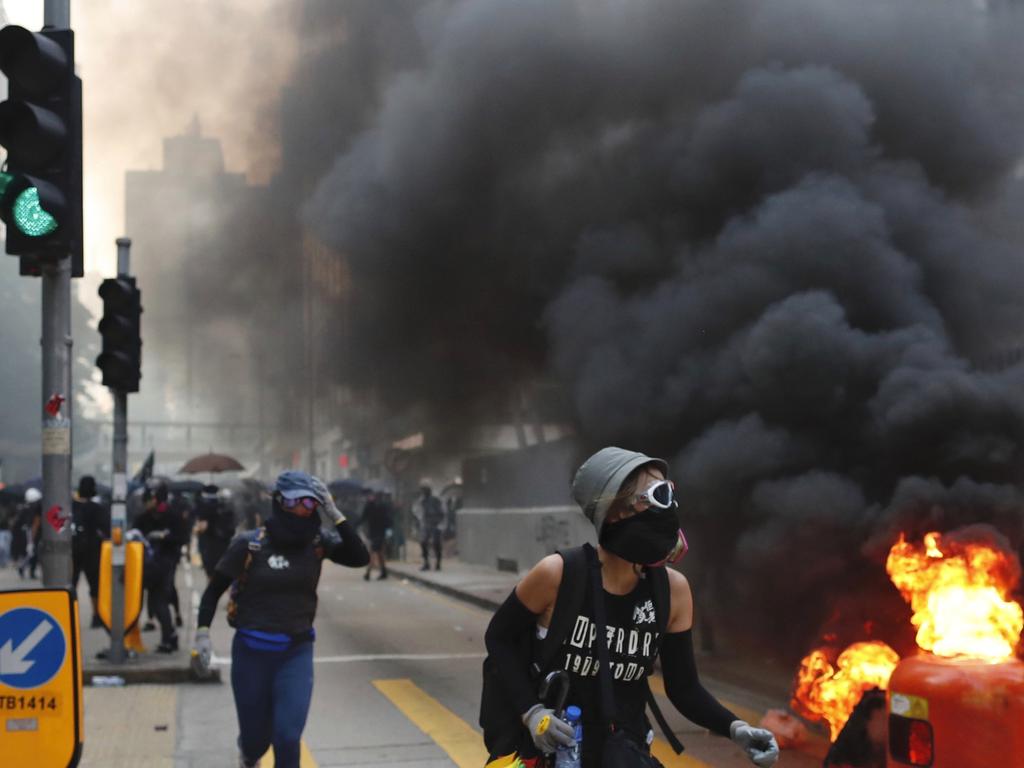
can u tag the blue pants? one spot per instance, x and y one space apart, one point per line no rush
272 695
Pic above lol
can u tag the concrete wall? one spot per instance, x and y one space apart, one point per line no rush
520 536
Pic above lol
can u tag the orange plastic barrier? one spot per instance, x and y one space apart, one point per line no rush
133 559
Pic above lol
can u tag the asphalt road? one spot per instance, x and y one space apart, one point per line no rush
397 686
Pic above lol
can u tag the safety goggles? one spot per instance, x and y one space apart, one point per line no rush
659 494
301 506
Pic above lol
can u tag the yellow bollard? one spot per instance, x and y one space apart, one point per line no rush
133 558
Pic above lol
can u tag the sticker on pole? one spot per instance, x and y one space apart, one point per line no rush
32 648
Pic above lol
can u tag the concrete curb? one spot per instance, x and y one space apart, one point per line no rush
444 589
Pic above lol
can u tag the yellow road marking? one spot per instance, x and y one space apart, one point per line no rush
463 744
744 713
305 761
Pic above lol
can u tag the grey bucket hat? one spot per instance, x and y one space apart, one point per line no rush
598 480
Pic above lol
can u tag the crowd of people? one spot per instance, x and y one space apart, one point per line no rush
170 518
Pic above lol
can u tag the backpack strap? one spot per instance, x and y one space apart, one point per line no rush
255 544
662 609
568 603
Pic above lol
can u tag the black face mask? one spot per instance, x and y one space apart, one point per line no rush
291 531
646 538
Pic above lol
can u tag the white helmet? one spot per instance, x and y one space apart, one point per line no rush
32 495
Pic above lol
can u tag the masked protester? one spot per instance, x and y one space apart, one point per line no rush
273 574
166 533
90 526
628 498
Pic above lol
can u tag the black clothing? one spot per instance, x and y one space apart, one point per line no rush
279 594
633 644
91 524
377 521
632 640
431 538
220 529
433 512
167 534
509 642
684 689
172 527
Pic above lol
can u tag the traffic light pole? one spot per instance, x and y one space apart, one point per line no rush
55 543
118 508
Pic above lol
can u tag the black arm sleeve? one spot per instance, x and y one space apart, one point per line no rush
508 643
683 687
208 605
350 550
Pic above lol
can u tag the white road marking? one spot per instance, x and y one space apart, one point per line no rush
226 662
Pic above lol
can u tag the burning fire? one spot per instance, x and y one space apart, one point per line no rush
827 692
960 595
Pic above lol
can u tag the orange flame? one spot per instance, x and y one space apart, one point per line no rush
960 595
826 692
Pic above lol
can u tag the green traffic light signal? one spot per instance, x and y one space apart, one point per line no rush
27 212
30 217
40 127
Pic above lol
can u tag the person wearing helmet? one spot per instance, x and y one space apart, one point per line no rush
273 574
630 501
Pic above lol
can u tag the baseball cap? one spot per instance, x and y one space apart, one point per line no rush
295 485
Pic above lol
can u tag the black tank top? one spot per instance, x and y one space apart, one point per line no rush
632 638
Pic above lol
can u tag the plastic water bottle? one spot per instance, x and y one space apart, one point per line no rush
572 757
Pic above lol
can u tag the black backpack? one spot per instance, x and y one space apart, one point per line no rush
501 724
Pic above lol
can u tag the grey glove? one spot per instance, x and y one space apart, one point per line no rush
156 535
758 743
202 652
330 515
547 730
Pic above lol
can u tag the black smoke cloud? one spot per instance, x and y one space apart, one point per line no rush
746 235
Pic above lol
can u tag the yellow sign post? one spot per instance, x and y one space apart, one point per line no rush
41 722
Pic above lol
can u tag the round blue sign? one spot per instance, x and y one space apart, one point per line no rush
32 648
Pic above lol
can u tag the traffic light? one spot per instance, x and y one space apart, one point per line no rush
121 329
41 128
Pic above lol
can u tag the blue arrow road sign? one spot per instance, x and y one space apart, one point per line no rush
32 648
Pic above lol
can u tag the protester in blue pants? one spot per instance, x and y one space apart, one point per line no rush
273 574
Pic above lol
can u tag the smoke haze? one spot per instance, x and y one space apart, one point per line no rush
748 236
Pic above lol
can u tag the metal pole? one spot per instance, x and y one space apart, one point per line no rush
118 507
55 543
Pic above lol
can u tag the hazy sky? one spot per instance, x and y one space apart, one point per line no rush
147 68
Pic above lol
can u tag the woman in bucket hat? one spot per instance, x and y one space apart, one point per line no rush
273 574
629 499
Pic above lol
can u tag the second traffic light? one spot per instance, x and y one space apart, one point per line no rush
41 128
121 329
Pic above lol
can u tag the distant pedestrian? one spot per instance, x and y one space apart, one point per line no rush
273 574
90 526
215 526
430 515
166 532
31 519
377 523
5 543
